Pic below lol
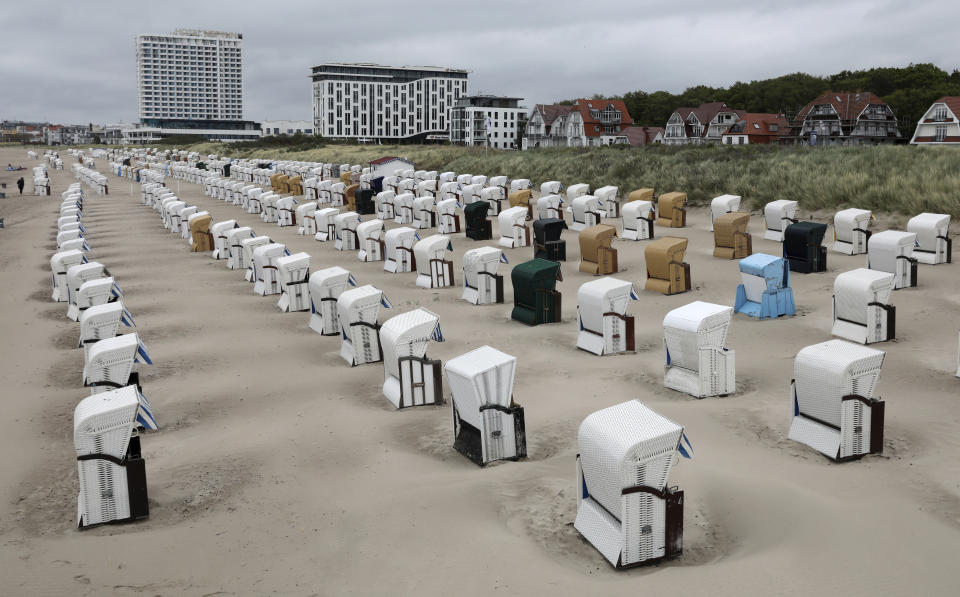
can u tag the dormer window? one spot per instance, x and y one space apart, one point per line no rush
940 113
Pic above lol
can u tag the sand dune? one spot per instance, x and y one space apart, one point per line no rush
278 469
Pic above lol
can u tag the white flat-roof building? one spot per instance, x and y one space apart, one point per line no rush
476 119
375 102
285 127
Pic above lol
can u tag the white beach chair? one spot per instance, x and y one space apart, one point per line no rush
384 205
265 268
305 218
370 240
514 231
637 220
403 208
554 187
236 259
398 250
357 311
624 506
326 227
60 262
286 211
448 219
851 229
892 251
482 285
609 204
108 364
696 361
487 424
96 291
549 206
424 212
834 409
101 322
586 212
337 194
219 230
934 244
777 215
433 270
410 378
345 229
495 196
326 286
605 327
861 309
470 193
293 272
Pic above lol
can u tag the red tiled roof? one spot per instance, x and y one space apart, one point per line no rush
952 101
550 112
584 106
763 122
642 135
847 104
706 112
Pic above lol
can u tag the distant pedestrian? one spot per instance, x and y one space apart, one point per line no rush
20 184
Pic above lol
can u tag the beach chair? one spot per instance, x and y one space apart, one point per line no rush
834 408
494 196
268 202
861 309
326 286
295 185
697 362
803 249
424 212
100 322
235 256
624 506
597 255
550 206
723 204
666 271
605 327
324 192
108 364
521 199
765 291
337 194
637 216
60 262
482 285
403 207
79 273
535 298
892 251
426 188
110 466
487 424
547 241
201 237
221 246
306 219
672 210
514 231
609 205
364 202
293 273
934 244
470 193
410 378
357 311
478 227
384 202
370 235
777 216
851 231
730 237
398 250
345 229
433 270
248 246
92 292
286 211
448 190
265 268
326 226
350 196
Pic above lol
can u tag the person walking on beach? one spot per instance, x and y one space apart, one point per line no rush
20 184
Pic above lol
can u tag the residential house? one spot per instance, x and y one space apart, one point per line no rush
846 118
704 124
587 123
940 125
540 125
757 129
644 135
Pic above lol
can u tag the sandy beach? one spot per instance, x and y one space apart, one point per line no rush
278 469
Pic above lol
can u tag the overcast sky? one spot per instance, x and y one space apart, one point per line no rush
74 62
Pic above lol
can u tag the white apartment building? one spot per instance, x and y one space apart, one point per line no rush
374 102
476 119
190 75
270 128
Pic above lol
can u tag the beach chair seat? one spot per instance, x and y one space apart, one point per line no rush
424 212
478 227
535 298
547 241
434 270
488 425
672 210
777 216
597 255
201 237
293 273
286 211
637 217
403 208
861 309
730 237
514 231
305 218
370 240
357 311
803 249
100 322
934 245
723 204
337 193
92 292
219 230
265 258
625 508
385 208
248 246
398 250
697 362
326 225
666 271
832 394
410 378
109 363
235 254
482 285
605 327
326 286
110 465
765 291
345 230
550 206
609 205
448 221
325 191
851 230
60 262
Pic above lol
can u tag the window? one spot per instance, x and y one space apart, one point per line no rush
774 128
941 135
740 140
940 113
756 126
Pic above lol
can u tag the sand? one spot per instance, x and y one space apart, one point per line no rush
281 470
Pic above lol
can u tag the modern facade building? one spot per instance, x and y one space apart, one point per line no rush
846 118
385 103
477 119
940 124
270 128
190 82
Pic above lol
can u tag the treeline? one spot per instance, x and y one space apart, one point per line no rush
909 91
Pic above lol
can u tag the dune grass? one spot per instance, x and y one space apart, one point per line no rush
892 179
